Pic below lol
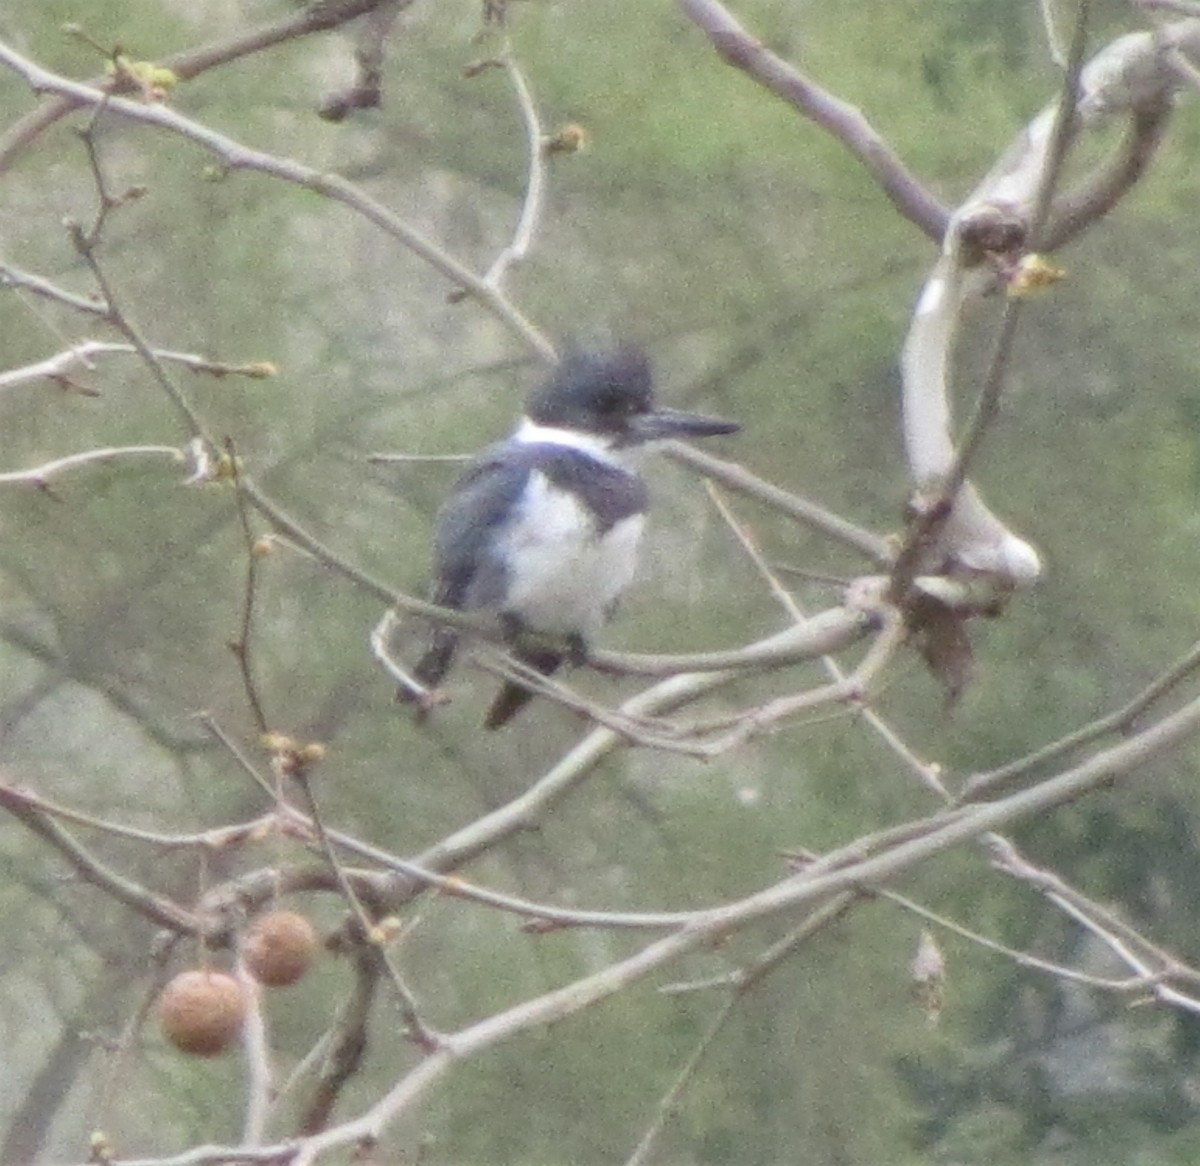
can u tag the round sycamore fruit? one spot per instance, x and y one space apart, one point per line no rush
201 1012
279 947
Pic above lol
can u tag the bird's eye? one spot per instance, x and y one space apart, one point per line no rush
614 402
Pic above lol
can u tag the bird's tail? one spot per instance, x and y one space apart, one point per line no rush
513 697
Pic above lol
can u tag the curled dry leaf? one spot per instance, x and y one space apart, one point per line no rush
928 970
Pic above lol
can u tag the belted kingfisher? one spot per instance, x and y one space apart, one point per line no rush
543 527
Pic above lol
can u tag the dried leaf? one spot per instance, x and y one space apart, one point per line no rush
928 971
940 635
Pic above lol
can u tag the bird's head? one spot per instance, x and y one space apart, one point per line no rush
611 396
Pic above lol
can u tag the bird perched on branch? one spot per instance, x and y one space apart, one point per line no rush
543 527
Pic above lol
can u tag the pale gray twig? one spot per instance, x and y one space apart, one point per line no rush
235 156
737 47
40 476
531 208
315 16
256 1053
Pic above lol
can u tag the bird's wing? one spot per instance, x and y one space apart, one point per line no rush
468 573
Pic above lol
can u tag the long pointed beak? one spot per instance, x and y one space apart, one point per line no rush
664 423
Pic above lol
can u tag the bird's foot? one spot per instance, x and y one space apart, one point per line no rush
525 641
424 700
577 650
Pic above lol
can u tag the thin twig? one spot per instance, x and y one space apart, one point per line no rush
14 277
159 910
114 1078
40 476
218 838
927 773
86 244
531 208
314 17
1021 958
344 1045
1118 721
256 1053
55 367
669 1102
240 756
235 156
417 1030
879 550
241 646
987 406
735 46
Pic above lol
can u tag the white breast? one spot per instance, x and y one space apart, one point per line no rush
564 580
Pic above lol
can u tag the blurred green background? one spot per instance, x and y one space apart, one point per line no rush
771 282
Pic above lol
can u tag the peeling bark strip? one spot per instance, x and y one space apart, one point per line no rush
1133 77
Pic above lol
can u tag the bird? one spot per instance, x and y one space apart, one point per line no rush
542 528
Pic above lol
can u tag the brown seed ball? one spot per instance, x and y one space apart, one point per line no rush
279 948
201 1012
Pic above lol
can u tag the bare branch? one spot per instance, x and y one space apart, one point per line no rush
257 1055
991 230
347 1044
415 1027
729 474
1151 963
834 875
117 1068
219 838
86 244
956 524
737 47
1054 41
1076 209
1006 857
14 277
316 16
1022 959
742 981
235 156
846 688
40 476
1119 721
142 901
810 886
56 367
241 647
531 208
